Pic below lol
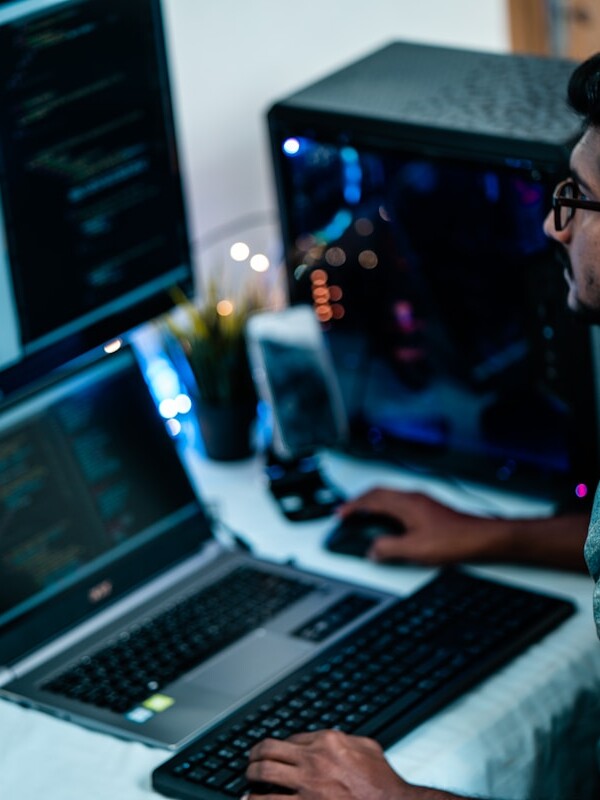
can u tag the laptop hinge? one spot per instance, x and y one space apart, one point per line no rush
209 552
6 675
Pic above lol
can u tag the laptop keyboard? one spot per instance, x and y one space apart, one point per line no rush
144 659
381 681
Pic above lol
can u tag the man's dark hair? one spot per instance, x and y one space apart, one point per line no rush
584 91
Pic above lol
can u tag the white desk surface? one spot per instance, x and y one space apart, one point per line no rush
527 732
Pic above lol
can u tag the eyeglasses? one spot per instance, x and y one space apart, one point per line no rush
564 202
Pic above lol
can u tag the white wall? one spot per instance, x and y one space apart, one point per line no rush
230 59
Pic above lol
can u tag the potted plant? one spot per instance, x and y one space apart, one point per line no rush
211 337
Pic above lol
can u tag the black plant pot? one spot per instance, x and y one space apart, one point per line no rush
226 430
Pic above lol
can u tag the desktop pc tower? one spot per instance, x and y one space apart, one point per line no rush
412 187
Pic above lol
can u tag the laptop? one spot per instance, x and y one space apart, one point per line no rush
120 607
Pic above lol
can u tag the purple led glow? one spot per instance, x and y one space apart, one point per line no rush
581 490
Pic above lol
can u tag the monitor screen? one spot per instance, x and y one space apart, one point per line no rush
92 226
444 309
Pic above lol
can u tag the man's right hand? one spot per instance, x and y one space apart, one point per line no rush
434 534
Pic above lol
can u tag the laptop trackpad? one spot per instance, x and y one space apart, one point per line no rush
250 663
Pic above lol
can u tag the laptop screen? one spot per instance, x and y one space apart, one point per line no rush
93 498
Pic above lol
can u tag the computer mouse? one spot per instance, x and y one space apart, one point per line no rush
354 534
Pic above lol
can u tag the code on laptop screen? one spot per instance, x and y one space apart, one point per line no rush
87 474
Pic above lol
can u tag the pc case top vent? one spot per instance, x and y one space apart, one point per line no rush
502 95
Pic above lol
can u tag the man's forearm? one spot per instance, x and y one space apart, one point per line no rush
553 542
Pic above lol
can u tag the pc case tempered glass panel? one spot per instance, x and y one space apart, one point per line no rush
443 306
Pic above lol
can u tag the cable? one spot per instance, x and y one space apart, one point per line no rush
218 526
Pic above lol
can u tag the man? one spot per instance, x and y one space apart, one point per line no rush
329 765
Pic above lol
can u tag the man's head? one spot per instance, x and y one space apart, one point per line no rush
579 232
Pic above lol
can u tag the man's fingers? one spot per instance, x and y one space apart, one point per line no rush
332 740
250 796
273 762
274 772
373 500
274 750
385 548
308 737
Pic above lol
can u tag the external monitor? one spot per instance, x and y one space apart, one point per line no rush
92 225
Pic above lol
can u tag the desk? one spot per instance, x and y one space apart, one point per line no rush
527 732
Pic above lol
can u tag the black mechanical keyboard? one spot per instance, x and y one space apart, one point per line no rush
157 652
382 680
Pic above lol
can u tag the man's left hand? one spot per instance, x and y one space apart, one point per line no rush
326 765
